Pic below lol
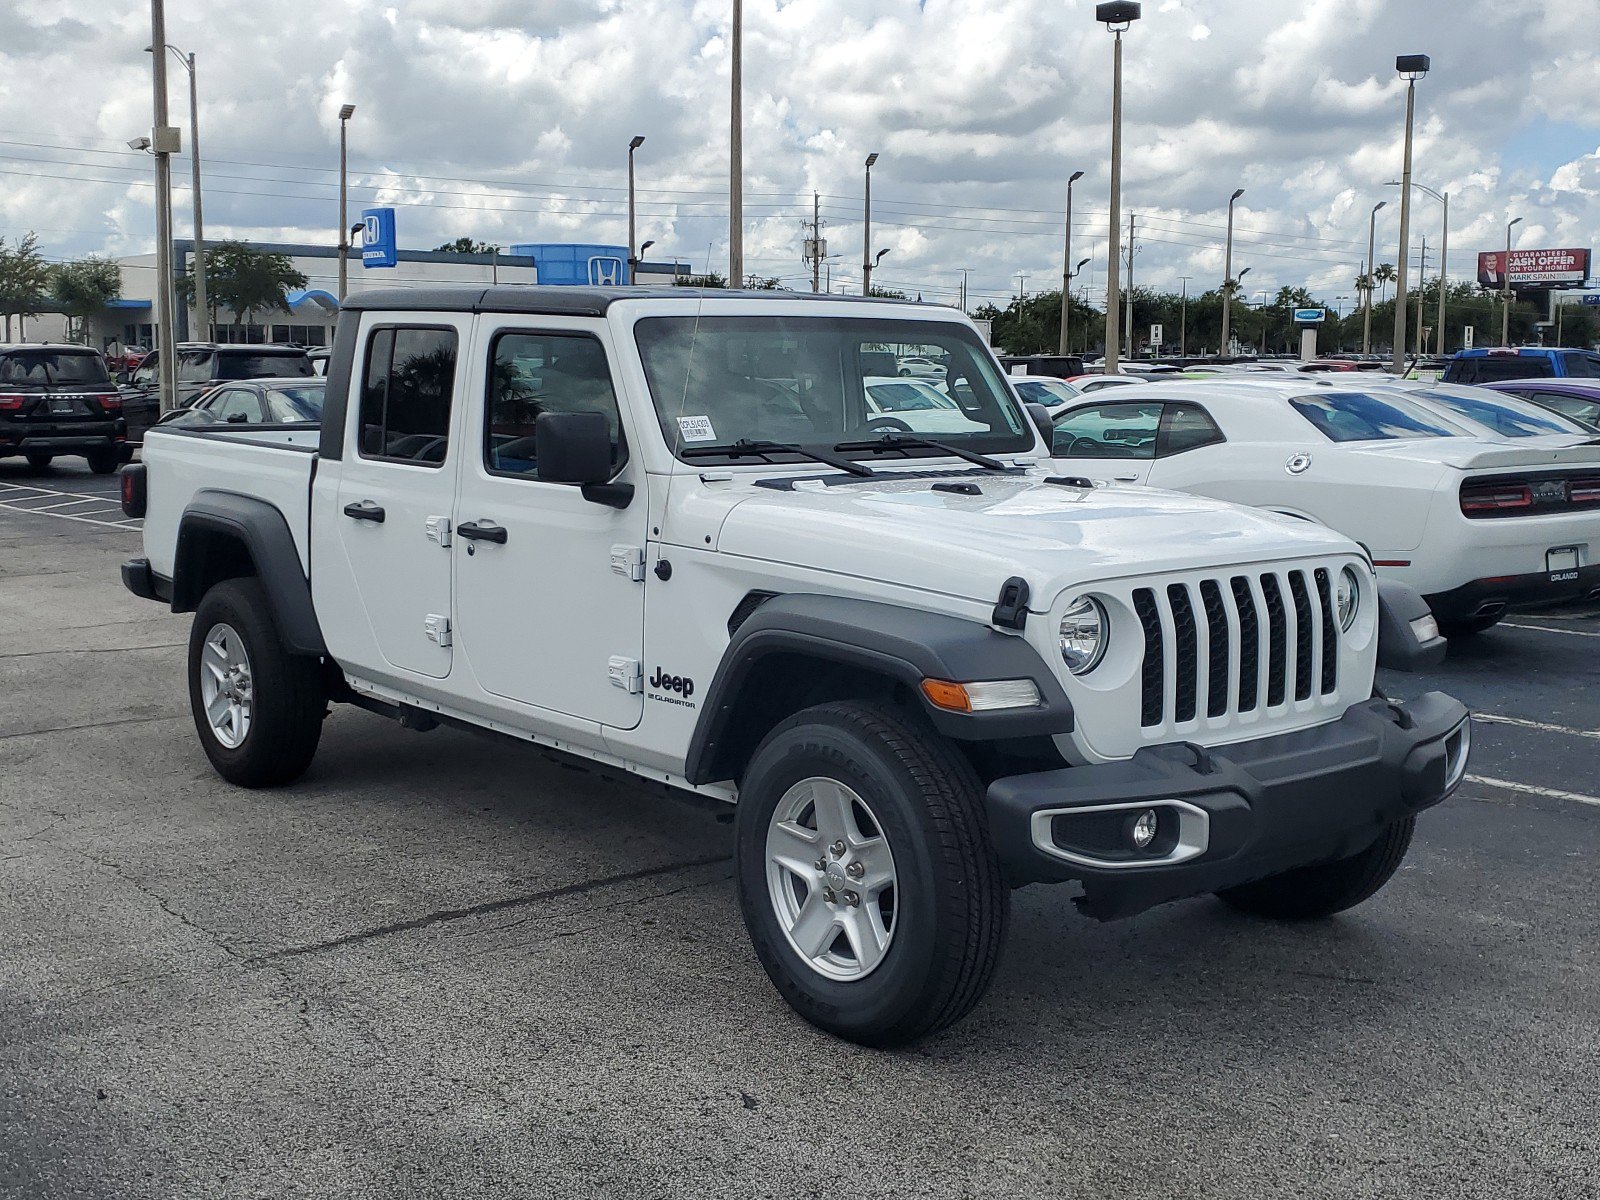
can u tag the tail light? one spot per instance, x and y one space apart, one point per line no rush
10 402
1492 497
134 496
1585 491
112 404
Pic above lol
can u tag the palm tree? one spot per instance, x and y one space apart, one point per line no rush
1385 275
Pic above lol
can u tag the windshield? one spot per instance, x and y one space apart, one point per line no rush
805 380
262 366
1045 391
1506 415
291 404
46 368
1364 417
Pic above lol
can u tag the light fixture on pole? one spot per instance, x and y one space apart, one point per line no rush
1227 273
164 143
866 232
345 113
1444 247
1372 237
1183 321
199 326
633 259
1066 304
736 154
1411 67
1505 288
1116 16
1238 285
1066 264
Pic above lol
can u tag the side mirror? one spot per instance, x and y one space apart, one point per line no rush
123 376
573 447
1041 421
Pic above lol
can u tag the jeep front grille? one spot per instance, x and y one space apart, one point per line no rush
1228 644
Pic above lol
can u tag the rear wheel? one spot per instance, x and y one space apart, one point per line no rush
1465 627
1327 888
40 461
102 462
867 878
257 708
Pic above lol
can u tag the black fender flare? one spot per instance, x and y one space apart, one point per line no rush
1399 647
264 533
905 645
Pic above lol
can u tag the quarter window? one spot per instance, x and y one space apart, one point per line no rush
535 373
1188 428
406 391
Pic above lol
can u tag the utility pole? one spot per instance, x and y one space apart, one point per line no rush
1183 321
633 233
736 155
164 143
965 271
345 113
815 249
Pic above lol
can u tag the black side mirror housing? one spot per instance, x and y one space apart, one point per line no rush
1041 421
123 376
573 447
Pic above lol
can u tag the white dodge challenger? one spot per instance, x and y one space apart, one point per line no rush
1478 525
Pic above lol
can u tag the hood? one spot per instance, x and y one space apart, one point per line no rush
1479 454
904 532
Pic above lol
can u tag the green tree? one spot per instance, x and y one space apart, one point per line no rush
83 289
711 279
247 280
24 280
888 293
466 245
1384 276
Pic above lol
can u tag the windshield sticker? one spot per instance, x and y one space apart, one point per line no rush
696 429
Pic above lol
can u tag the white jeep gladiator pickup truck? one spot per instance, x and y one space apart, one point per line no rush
666 532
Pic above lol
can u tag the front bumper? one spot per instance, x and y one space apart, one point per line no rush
1233 814
1541 589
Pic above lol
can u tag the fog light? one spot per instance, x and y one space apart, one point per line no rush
1425 629
1145 829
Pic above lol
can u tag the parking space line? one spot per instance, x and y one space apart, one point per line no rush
1529 789
69 504
61 516
1547 629
1493 719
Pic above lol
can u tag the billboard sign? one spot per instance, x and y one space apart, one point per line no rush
378 248
1534 268
1310 316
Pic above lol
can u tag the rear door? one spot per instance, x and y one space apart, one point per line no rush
396 490
1115 440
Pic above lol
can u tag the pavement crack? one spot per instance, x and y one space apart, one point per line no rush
447 915
95 650
138 885
21 733
598 909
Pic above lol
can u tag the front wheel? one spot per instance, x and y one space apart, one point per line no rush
867 877
1306 893
257 708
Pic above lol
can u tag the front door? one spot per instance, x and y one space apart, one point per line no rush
1112 440
549 585
397 487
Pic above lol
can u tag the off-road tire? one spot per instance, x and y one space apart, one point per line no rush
288 695
103 462
39 461
951 900
1307 893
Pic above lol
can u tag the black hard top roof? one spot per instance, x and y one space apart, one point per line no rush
553 300
50 347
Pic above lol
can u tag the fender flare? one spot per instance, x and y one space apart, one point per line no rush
905 645
264 533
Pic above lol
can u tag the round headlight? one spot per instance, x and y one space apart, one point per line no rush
1083 635
1348 598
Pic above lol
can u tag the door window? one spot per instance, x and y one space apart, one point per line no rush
1108 431
535 373
407 387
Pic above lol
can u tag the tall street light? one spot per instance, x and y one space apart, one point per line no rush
1066 264
633 256
1372 236
1116 16
199 327
1411 67
1505 289
1066 309
736 154
1183 321
1444 246
345 113
866 232
164 143
1227 273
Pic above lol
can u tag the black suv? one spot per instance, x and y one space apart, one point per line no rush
58 400
201 365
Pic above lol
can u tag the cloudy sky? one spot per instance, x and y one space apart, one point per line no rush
508 120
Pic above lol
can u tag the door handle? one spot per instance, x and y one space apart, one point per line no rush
1126 478
365 511
482 531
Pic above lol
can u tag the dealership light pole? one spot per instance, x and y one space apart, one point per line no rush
1116 16
1227 273
1372 236
736 154
1066 264
633 255
1183 321
345 113
866 231
1066 304
1411 67
199 327
1444 246
164 143
1505 288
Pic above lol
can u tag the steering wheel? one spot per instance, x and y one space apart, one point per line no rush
1083 445
886 424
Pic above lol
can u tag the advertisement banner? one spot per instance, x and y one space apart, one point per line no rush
1534 268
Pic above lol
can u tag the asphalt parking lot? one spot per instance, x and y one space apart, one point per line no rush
444 966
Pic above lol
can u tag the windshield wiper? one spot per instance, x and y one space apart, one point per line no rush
894 440
745 447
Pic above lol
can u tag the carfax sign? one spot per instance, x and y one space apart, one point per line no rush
1534 268
378 247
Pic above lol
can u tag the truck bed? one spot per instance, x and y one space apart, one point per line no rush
266 463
